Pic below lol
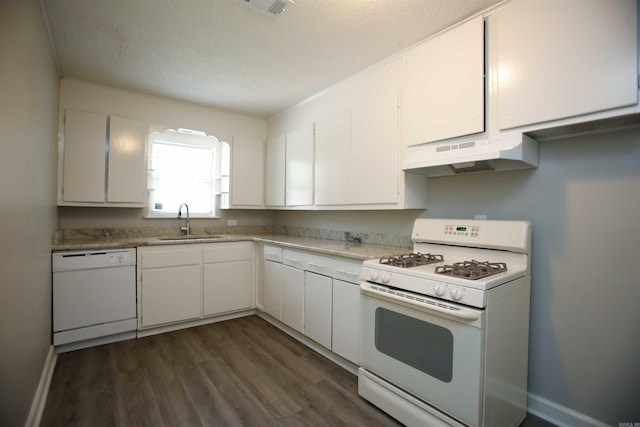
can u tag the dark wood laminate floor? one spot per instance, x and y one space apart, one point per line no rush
241 372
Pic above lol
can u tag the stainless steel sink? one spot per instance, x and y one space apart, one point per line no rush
193 237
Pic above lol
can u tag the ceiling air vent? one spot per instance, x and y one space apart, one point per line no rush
274 7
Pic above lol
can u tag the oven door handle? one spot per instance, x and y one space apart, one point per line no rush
430 306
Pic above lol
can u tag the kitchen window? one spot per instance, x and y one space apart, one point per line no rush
183 167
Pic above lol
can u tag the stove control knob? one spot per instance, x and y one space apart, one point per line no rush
457 294
385 277
373 275
439 289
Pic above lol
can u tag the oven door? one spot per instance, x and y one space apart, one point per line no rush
436 357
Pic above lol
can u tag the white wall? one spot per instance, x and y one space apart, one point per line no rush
28 119
161 113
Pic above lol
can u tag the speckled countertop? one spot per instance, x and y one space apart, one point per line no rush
342 248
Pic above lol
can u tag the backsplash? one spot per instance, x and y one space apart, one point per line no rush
106 234
360 237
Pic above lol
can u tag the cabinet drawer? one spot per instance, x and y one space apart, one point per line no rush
223 252
347 270
170 257
273 253
294 258
320 264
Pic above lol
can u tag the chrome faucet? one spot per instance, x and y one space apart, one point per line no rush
187 227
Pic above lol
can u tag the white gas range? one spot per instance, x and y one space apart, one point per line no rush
444 337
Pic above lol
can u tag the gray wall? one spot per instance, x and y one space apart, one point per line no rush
29 123
584 203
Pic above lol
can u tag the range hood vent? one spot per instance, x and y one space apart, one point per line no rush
505 152
273 7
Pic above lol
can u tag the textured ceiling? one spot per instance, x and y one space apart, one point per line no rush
227 54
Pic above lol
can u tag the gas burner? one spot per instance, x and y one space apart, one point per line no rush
411 260
472 270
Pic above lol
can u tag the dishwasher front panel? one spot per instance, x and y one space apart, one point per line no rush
94 296
90 297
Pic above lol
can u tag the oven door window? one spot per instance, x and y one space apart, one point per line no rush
396 336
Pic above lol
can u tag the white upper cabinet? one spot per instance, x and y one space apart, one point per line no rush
333 159
85 139
247 173
561 59
126 177
102 161
374 150
357 148
275 171
299 167
289 168
445 85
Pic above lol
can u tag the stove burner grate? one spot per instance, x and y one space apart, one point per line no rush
472 270
411 260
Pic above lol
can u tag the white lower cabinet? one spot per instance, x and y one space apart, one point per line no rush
346 320
272 280
317 308
171 294
170 281
180 283
271 289
228 278
293 297
316 295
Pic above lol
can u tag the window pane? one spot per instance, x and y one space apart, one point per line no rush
181 174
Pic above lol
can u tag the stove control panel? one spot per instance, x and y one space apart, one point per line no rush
513 236
462 230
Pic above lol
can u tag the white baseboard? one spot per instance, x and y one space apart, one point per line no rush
40 398
558 414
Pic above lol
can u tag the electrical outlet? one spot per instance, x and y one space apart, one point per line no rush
232 222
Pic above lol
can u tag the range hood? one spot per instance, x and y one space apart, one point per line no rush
504 152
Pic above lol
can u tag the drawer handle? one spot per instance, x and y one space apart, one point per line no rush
271 253
349 273
291 259
317 265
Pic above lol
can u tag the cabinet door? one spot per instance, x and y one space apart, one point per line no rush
299 167
445 85
127 170
293 297
272 281
275 171
247 172
346 320
374 151
170 294
228 286
333 159
85 138
558 59
317 308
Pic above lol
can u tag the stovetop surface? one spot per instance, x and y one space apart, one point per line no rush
516 266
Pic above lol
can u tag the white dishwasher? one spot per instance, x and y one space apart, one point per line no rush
94 297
